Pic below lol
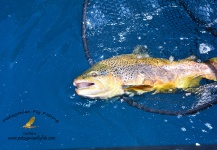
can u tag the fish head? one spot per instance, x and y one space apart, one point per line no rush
98 82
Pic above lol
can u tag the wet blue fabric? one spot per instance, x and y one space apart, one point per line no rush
40 54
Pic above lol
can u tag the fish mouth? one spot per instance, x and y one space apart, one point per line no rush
83 84
89 88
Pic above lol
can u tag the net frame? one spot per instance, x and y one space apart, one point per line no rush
128 100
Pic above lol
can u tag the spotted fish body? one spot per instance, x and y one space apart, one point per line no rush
136 74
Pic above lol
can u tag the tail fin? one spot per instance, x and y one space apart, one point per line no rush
212 64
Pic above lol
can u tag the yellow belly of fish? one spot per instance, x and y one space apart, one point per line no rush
164 87
182 83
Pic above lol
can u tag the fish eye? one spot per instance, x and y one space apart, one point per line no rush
93 74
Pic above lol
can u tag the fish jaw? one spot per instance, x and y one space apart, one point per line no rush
98 88
86 88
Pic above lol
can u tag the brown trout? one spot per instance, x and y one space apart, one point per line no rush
137 73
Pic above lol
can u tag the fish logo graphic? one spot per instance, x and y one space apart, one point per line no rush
29 123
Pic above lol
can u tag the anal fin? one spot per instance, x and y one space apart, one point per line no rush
188 82
190 58
168 87
138 89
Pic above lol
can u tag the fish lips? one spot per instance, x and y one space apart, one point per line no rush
85 88
82 84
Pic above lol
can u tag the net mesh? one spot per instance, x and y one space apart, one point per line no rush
177 28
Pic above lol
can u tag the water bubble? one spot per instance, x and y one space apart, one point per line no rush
183 129
204 48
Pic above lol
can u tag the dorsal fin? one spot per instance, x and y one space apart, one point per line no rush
190 58
141 50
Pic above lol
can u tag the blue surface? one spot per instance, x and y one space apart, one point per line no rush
40 54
